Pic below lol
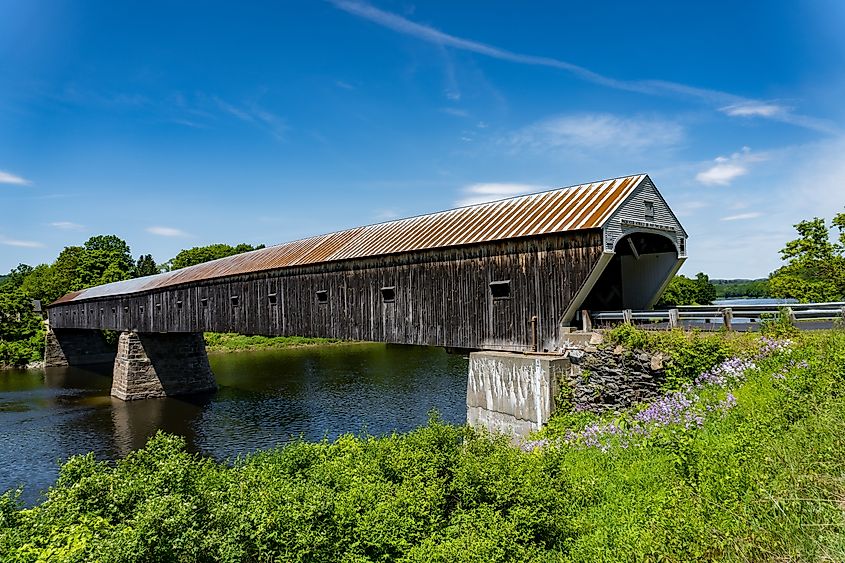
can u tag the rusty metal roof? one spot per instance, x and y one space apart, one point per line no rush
585 206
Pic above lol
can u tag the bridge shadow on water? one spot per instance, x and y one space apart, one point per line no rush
265 399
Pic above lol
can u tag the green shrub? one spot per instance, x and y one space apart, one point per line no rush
760 481
688 353
778 325
231 342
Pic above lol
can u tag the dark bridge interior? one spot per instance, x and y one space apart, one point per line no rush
642 264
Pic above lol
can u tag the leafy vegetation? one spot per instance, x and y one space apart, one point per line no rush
200 254
685 291
687 354
101 259
231 342
815 265
756 476
727 289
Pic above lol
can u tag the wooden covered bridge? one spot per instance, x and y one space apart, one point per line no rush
508 275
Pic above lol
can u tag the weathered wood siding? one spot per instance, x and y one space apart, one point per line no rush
442 297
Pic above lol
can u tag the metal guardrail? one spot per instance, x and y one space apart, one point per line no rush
725 315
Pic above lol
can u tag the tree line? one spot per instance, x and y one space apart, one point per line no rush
813 270
99 260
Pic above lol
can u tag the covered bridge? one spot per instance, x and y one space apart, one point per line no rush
470 278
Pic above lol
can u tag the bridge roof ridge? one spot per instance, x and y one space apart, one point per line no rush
502 219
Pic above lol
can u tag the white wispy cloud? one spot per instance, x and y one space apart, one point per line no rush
254 114
602 131
753 109
386 214
722 173
166 231
9 178
67 226
20 243
742 216
714 98
688 208
492 191
728 168
457 112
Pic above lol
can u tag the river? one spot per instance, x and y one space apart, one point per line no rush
265 399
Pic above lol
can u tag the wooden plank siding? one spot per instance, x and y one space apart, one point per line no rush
442 297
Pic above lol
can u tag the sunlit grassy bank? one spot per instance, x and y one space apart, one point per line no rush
743 460
231 342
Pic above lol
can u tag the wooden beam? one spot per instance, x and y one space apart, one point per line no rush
727 318
587 322
674 321
633 248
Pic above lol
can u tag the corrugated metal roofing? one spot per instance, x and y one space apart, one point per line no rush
585 206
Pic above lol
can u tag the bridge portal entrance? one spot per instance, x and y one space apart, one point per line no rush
642 265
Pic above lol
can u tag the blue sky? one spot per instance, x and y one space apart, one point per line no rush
176 124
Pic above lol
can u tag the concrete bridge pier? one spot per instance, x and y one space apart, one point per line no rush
512 393
150 365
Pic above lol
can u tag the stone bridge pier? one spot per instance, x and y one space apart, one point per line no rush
76 347
517 394
146 364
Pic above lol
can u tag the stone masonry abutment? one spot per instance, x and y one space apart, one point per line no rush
152 365
146 365
76 347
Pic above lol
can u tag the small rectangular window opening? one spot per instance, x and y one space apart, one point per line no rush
179 304
271 298
500 289
204 301
388 294
101 310
158 306
141 308
649 209
322 296
682 242
113 310
126 309
235 300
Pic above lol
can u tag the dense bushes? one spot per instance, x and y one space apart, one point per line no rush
231 342
760 478
688 353
21 330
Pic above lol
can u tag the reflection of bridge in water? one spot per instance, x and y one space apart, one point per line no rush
506 276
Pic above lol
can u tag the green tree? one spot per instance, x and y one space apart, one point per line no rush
17 319
815 265
106 259
49 282
15 278
685 291
200 254
102 259
705 291
145 266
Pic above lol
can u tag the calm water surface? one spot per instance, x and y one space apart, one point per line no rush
265 399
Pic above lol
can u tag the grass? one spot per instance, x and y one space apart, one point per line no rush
231 342
760 478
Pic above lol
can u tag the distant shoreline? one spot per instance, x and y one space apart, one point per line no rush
226 343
